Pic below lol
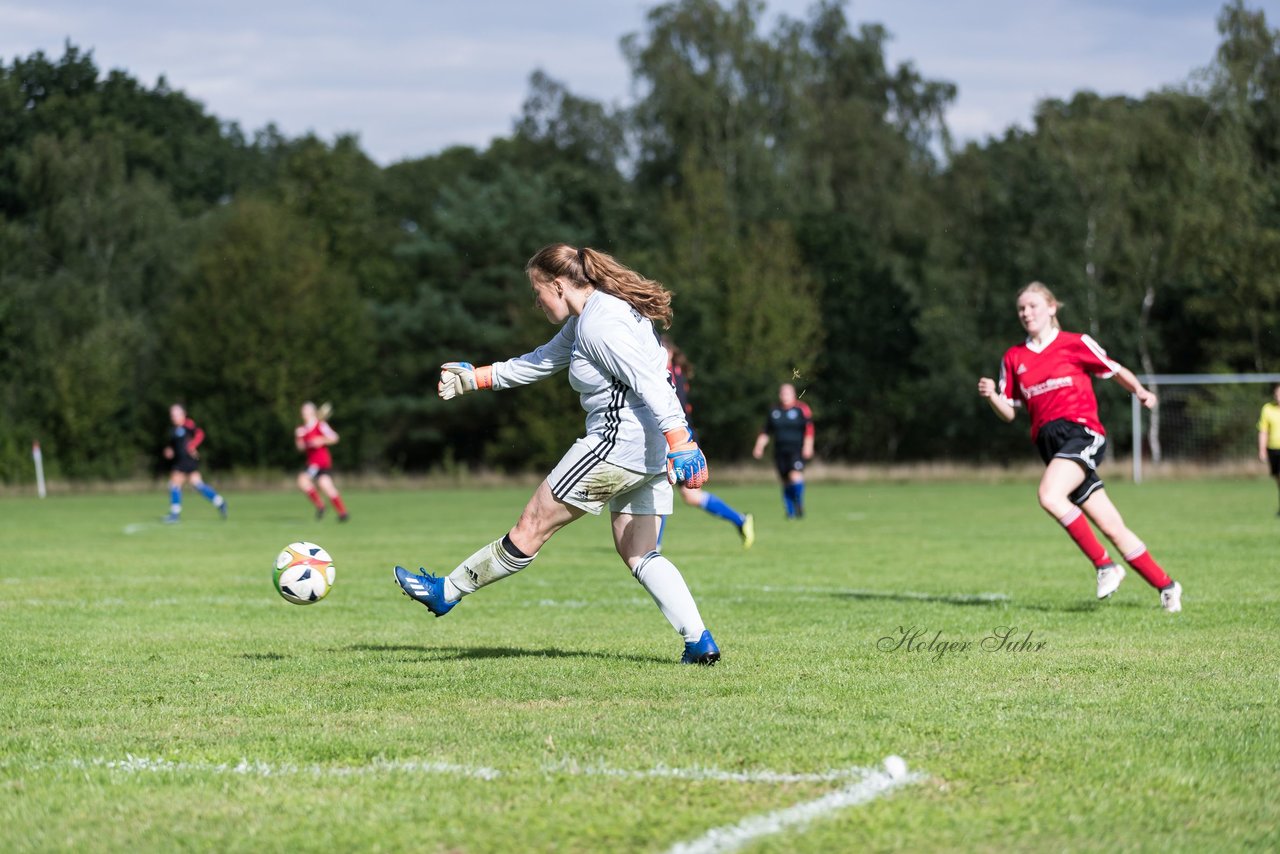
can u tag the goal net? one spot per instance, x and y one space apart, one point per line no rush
1203 420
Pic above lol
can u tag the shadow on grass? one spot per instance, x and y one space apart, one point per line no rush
1082 606
460 653
987 600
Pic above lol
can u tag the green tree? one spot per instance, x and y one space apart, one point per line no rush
265 322
85 267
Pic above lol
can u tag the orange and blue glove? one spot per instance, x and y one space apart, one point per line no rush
461 377
685 461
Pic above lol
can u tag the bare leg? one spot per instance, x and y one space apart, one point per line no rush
1107 518
1061 478
636 538
1104 514
542 517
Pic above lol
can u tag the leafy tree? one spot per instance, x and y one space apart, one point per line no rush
265 321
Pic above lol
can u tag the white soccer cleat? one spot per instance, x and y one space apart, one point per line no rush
1109 578
1171 598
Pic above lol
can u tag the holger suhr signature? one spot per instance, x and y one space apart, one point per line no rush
922 640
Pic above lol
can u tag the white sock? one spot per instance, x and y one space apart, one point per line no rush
666 585
492 563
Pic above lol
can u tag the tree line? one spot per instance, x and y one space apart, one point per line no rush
802 198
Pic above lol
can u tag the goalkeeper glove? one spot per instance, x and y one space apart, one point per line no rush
685 461
461 377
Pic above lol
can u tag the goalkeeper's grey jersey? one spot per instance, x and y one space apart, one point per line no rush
619 368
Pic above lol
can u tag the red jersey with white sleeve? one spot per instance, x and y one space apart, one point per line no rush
1055 380
315 442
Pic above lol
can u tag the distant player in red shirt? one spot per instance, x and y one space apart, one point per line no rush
790 423
681 372
1051 375
182 448
314 438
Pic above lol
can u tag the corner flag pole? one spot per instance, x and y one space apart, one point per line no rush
39 460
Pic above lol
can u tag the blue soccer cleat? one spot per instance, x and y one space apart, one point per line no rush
222 508
426 589
172 519
702 651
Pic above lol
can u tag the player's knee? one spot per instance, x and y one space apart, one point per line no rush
1053 502
531 531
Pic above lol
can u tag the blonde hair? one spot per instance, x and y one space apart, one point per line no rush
589 267
323 411
1043 289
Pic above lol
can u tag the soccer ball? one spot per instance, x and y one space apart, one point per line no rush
304 573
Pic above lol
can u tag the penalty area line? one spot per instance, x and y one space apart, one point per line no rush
708 774
731 837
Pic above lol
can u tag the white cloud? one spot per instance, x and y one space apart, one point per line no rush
413 77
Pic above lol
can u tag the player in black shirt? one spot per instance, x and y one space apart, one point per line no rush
790 425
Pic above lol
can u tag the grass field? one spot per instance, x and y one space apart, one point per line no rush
159 695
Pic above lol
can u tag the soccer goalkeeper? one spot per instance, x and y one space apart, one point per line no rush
637 441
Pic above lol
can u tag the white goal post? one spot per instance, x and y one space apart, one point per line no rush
1201 394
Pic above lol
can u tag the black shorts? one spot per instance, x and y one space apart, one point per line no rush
1273 459
1076 442
788 461
314 472
186 465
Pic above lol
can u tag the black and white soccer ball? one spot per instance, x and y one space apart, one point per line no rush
304 573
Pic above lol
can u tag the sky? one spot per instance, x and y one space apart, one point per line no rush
412 78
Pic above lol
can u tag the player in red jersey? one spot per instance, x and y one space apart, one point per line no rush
1051 374
314 438
681 372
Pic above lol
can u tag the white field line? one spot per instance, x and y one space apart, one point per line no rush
131 764
731 837
248 768
712 774
164 602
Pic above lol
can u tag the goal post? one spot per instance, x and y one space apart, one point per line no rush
1204 418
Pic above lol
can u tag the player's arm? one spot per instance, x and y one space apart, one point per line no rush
762 441
806 448
328 436
1130 383
552 357
1093 359
999 392
1264 436
197 436
1000 405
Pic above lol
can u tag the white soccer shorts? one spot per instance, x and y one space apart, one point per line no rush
586 480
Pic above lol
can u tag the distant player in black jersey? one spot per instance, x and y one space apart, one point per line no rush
182 449
790 424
